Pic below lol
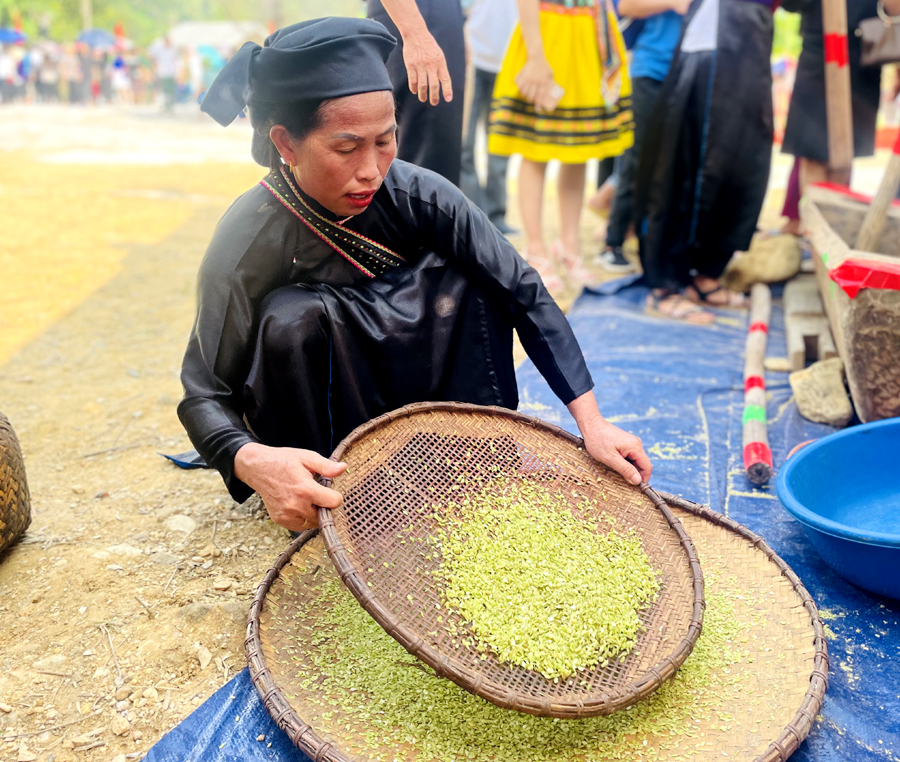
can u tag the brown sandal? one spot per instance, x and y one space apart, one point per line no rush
681 309
735 301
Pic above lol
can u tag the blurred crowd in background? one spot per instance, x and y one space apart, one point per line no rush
103 67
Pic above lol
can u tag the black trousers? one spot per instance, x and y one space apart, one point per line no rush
644 92
430 136
491 197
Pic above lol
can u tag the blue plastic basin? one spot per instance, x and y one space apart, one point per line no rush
845 490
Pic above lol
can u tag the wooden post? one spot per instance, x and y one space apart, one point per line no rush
837 86
757 455
873 225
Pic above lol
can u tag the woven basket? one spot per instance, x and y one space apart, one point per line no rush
776 695
402 463
15 503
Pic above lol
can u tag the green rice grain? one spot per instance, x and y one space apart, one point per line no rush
537 586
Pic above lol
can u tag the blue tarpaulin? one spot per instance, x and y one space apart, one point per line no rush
680 388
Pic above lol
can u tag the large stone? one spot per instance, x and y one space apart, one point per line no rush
820 393
194 612
180 523
166 559
769 260
53 663
124 549
119 725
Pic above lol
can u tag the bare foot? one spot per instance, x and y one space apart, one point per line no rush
573 267
791 227
546 267
676 307
601 202
711 293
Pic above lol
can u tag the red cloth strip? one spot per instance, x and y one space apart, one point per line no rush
836 50
754 382
757 452
854 275
897 145
758 327
845 191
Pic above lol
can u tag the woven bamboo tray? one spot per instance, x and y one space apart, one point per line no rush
15 503
758 704
401 464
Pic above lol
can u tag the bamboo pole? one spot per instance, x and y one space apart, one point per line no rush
757 455
873 225
837 86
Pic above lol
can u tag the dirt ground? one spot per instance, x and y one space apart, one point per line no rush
125 605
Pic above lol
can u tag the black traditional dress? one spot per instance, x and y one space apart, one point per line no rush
308 326
704 167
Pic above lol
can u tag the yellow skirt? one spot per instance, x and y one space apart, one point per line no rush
582 127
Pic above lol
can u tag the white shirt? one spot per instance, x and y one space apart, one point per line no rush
166 57
488 29
7 67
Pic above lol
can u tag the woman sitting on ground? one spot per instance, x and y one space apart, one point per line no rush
348 284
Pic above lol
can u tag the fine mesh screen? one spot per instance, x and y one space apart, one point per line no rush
402 466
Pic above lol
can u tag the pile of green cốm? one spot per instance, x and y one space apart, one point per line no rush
359 687
539 587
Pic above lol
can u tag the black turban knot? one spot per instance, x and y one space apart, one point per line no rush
313 60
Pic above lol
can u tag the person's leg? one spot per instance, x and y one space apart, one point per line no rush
495 191
531 203
644 95
571 199
812 172
567 249
607 181
287 394
791 208
481 102
495 187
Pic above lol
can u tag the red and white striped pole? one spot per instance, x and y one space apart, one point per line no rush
757 455
873 225
839 114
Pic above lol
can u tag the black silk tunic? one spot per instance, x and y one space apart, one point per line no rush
295 344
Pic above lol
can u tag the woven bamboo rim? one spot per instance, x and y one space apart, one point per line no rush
15 502
406 450
803 700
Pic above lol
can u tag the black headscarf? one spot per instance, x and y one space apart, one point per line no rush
313 60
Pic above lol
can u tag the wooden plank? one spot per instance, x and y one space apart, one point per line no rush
808 339
801 297
873 225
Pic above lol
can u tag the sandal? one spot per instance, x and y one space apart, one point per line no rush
680 308
734 300
547 270
574 270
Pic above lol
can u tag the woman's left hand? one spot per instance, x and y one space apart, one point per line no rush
621 451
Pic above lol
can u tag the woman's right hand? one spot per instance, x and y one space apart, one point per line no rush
536 83
284 477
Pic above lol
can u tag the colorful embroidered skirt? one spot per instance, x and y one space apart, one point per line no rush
582 127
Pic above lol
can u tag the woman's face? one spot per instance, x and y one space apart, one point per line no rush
343 162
